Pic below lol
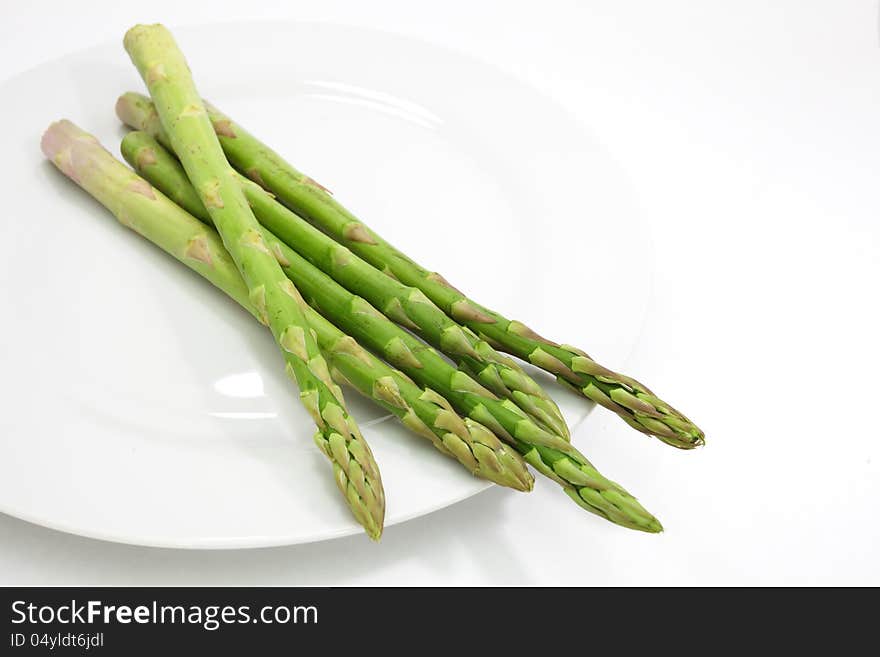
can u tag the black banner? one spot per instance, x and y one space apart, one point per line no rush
123 621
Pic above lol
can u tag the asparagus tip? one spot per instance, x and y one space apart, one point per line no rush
654 526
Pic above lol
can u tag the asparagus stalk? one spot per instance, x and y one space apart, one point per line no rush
166 225
162 66
405 305
548 453
631 400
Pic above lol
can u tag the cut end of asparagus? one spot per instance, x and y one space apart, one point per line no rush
136 111
62 144
139 32
56 138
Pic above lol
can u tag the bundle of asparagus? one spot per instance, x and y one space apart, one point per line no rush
344 306
631 400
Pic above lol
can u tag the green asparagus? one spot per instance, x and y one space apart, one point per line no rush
548 453
163 223
405 305
183 116
631 400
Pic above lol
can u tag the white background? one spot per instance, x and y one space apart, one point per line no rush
751 134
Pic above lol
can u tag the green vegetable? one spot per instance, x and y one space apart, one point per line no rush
163 223
548 453
405 305
631 400
183 116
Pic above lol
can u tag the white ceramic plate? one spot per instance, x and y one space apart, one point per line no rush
139 405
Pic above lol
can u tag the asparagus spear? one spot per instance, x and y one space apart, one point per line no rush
631 400
166 225
548 453
405 305
162 66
